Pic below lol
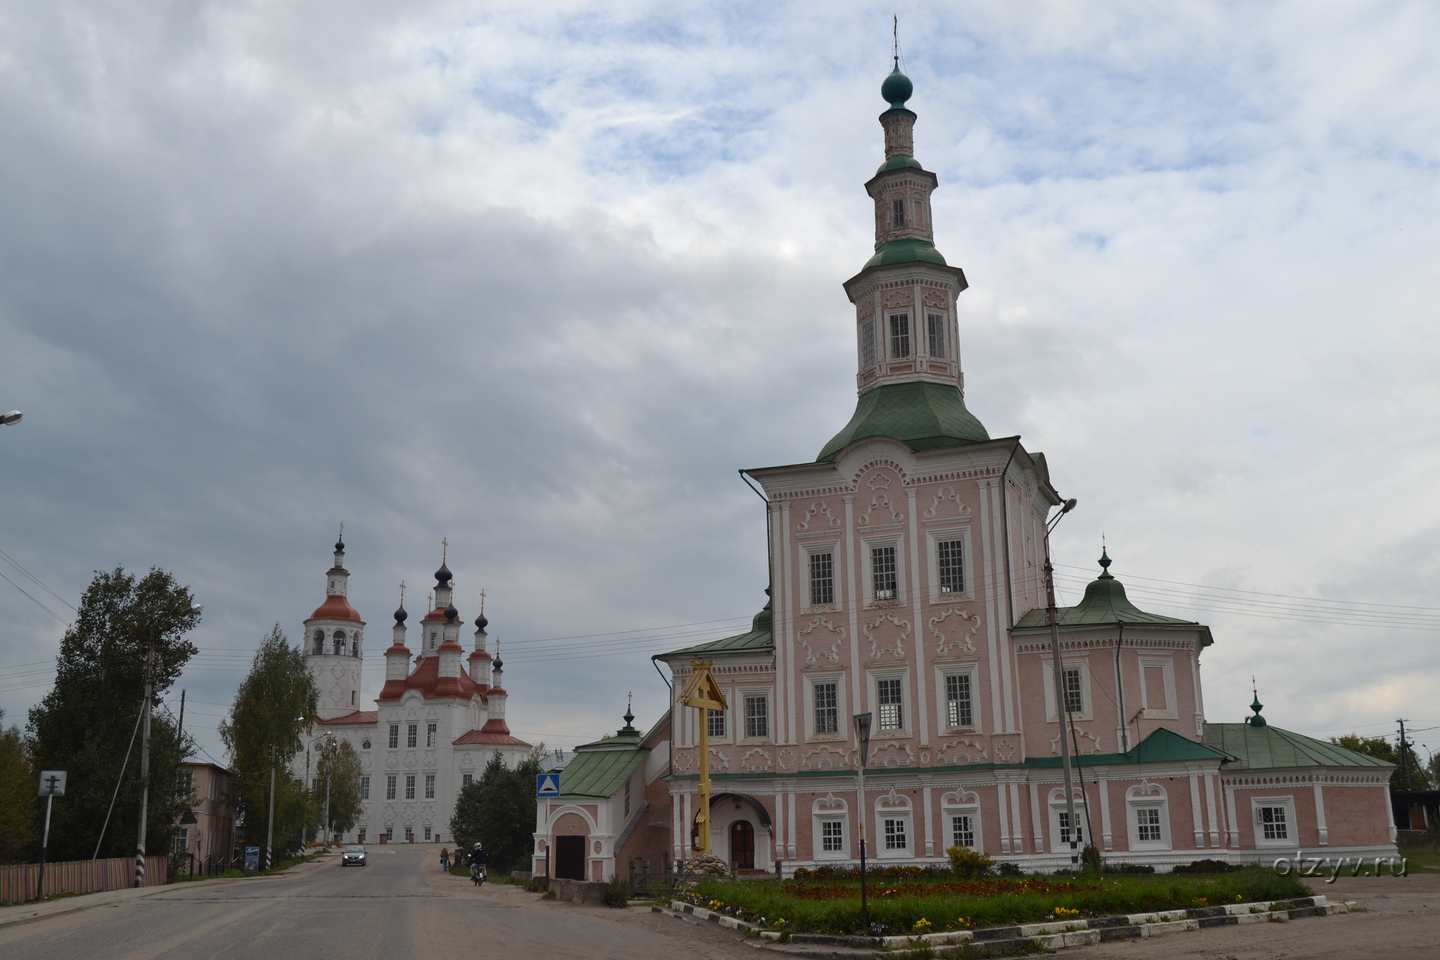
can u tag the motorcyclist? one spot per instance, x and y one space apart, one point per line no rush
477 864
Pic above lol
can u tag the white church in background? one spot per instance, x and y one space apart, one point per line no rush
438 720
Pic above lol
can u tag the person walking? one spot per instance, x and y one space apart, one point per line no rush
444 860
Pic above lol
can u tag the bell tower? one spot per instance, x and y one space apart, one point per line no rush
334 644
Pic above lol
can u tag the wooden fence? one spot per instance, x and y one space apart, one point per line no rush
17 883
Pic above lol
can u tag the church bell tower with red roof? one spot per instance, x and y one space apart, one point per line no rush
335 644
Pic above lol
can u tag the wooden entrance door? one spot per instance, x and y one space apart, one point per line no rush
570 858
742 845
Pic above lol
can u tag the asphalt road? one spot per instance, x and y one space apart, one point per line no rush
399 907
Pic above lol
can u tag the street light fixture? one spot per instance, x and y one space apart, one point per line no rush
1062 705
14 416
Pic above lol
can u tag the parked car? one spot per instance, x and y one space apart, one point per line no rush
354 855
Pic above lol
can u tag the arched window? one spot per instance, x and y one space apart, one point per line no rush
1148 816
830 816
962 820
319 641
355 647
339 642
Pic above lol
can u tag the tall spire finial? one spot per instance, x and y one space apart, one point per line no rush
482 599
895 39
402 593
444 549
1256 705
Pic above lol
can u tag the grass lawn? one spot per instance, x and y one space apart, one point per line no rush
934 904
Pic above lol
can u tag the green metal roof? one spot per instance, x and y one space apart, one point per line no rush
905 251
1105 603
759 639
921 415
1161 746
898 162
1263 747
600 772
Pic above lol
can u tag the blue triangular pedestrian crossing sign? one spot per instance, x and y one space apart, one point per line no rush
547 785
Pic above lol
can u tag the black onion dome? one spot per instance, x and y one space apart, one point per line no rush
340 546
481 622
443 575
451 614
400 615
498 664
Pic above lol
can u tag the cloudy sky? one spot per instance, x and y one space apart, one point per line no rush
539 277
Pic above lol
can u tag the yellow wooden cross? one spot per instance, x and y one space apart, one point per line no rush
704 694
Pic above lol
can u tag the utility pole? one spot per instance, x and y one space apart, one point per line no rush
144 765
1404 758
270 822
1062 704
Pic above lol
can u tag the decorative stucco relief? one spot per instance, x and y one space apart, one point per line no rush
1080 737
719 763
880 504
951 639
817 509
939 507
1004 751
785 759
826 758
936 299
889 639
819 650
683 760
755 761
893 753
962 750
894 299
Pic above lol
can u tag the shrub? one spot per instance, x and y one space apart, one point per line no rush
616 894
1007 869
969 864
1208 866
1090 860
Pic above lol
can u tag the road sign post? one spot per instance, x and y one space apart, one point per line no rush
52 785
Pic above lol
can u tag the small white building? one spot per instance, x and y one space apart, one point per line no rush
438 720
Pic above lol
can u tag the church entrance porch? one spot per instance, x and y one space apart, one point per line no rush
570 857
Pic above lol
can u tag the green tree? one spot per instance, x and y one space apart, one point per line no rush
18 803
498 810
1411 775
273 706
87 723
338 768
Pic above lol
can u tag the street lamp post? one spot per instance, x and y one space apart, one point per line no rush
14 416
862 738
1062 704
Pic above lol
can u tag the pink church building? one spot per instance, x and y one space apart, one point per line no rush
907 574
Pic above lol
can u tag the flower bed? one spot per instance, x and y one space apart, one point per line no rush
937 903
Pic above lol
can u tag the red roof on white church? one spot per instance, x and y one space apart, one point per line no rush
335 608
492 738
427 680
359 716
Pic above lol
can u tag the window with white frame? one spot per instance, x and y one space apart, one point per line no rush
884 581
1157 687
867 344
899 335
935 324
412 735
1060 826
825 698
466 779
1149 816
962 830
950 566
394 735
427 834
409 834
1274 819
1075 685
890 699
389 832
829 819
429 786
893 826
431 729
959 700
390 787
715 724
757 716
364 788
409 786
822 578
